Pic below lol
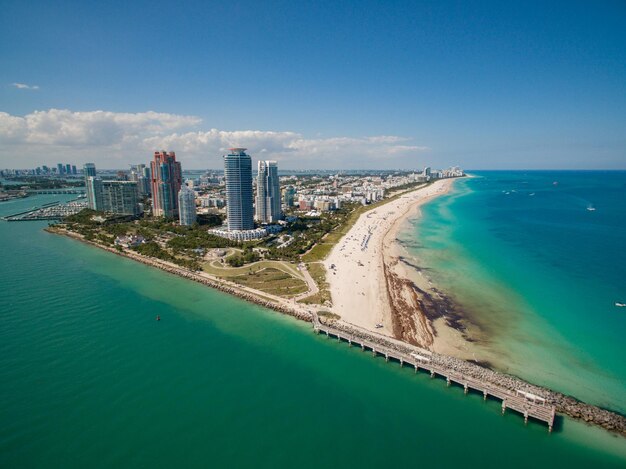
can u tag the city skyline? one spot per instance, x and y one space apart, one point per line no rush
490 85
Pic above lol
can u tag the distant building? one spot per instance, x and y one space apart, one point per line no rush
93 185
59 168
68 168
305 204
120 197
268 207
143 180
166 174
238 177
186 206
89 169
138 174
74 172
289 196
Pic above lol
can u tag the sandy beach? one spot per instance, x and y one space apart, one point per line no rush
372 284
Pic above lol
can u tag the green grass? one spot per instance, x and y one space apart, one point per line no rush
215 268
318 272
272 281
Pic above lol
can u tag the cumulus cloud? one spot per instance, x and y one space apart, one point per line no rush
115 139
24 86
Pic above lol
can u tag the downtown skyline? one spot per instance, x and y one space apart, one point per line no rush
361 85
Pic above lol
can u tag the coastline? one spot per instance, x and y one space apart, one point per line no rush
564 404
265 300
373 283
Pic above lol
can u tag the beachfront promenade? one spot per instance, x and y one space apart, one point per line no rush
526 404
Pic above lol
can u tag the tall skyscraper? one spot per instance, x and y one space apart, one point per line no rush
268 193
120 197
186 206
89 169
74 169
141 175
60 168
68 168
166 182
93 185
238 178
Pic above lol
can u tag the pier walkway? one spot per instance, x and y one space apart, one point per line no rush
524 403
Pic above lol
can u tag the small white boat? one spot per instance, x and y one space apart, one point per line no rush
591 209
620 305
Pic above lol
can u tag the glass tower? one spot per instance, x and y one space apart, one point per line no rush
238 176
268 208
186 206
166 181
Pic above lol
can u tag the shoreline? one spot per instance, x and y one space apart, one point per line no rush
374 285
421 310
564 404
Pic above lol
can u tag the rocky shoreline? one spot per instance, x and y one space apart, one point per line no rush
181 272
564 404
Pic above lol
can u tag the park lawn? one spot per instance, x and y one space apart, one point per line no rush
318 272
215 268
272 281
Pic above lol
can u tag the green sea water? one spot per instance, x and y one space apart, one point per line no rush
88 378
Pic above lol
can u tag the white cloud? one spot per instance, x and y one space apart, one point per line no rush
113 140
24 86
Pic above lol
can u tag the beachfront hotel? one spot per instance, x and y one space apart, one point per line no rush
268 207
166 181
238 177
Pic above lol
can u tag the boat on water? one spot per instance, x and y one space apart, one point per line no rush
591 209
620 305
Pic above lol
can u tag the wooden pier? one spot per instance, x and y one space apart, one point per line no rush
524 403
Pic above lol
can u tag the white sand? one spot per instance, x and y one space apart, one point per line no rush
357 283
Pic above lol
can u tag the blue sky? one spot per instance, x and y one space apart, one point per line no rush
386 84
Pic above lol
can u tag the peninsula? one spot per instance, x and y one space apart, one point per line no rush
351 282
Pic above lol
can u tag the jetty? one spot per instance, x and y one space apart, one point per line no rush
526 403
56 191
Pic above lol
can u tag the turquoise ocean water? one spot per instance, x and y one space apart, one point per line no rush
88 378
540 272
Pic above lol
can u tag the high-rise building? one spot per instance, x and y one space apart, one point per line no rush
68 168
60 168
89 169
94 192
289 196
120 197
74 169
186 206
268 193
238 178
141 175
166 182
